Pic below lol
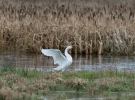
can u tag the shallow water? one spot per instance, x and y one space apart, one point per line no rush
80 62
84 96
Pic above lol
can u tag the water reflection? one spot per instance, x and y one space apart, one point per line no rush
81 62
84 96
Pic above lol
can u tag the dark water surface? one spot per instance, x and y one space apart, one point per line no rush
80 62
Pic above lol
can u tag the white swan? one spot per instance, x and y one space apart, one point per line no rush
59 58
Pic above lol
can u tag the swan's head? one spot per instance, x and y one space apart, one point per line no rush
69 47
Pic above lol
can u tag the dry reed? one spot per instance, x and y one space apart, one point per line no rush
91 28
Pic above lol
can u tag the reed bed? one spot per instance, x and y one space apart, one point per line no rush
91 28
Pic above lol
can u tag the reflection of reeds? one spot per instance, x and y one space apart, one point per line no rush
91 28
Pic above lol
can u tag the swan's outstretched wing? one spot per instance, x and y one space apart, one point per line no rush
58 57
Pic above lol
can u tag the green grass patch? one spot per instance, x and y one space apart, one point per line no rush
32 83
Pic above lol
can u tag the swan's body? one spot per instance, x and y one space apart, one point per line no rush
59 58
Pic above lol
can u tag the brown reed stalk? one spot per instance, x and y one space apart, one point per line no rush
91 27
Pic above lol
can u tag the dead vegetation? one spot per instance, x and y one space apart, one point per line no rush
91 28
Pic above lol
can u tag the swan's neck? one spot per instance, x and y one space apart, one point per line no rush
67 55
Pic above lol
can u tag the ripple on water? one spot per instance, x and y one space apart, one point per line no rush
85 62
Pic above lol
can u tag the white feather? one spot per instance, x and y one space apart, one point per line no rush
59 58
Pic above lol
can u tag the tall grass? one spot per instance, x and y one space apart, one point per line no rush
92 28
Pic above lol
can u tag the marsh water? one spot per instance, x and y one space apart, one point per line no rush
84 96
80 62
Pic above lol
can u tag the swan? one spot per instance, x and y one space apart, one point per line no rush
63 61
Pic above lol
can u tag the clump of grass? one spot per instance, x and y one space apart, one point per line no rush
113 83
7 94
77 83
57 77
110 80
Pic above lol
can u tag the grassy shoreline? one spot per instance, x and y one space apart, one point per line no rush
20 83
